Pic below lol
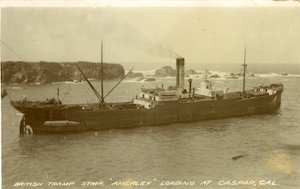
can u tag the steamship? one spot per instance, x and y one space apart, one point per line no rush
156 106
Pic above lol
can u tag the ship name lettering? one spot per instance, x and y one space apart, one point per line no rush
131 183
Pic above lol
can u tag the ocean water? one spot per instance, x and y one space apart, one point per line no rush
190 155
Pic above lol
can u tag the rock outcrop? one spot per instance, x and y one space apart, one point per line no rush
132 74
215 76
165 71
190 72
47 72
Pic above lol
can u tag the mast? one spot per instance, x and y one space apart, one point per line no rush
244 71
206 72
57 91
102 97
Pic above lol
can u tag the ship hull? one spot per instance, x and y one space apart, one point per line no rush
76 119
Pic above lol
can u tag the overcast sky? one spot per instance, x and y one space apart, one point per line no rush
148 37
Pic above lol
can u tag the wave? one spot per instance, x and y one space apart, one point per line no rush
270 75
144 72
36 83
68 82
147 72
141 80
278 75
16 87
293 75
214 75
133 80
211 75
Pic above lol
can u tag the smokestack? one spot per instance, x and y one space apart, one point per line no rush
180 73
190 85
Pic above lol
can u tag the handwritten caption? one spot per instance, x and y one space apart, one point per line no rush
154 182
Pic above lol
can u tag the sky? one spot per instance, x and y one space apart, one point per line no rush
149 37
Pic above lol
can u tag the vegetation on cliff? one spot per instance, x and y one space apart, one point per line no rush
47 72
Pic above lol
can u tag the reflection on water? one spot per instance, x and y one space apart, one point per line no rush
192 151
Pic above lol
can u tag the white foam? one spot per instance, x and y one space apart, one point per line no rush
68 82
269 75
277 75
144 72
139 80
293 75
223 75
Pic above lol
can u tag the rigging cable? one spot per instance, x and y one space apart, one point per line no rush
8 47
11 49
66 93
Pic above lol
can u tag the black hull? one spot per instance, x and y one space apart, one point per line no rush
77 119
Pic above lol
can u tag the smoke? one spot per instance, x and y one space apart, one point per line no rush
163 52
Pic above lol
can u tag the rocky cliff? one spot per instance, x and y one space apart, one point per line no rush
47 72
